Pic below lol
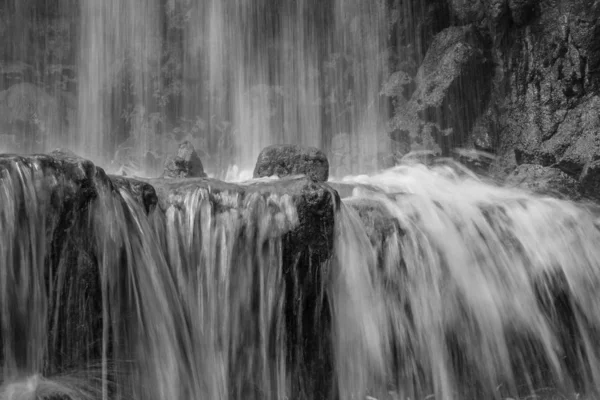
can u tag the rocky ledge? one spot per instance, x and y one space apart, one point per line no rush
64 196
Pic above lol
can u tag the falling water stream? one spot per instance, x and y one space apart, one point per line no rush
438 285
428 282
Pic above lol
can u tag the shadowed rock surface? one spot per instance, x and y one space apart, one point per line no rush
289 160
186 164
72 188
544 180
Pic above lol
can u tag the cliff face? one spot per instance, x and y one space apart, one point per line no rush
531 91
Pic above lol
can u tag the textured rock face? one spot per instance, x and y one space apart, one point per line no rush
452 87
544 180
73 207
544 86
288 160
186 164
549 114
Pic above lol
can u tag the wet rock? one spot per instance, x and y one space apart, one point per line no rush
289 160
546 91
590 180
453 84
186 164
307 248
544 180
379 223
141 191
467 11
521 11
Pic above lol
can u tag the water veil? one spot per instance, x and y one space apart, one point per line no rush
480 291
438 285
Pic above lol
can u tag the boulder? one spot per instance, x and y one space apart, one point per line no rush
453 84
289 160
186 164
544 180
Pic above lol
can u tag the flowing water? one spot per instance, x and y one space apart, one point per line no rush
439 286
433 283
122 82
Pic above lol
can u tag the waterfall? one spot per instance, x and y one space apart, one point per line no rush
439 284
486 291
252 74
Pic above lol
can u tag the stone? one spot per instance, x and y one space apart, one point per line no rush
186 164
467 11
73 195
290 160
521 11
590 180
544 180
544 102
141 191
453 85
306 249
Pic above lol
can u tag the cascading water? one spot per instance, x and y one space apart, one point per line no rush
125 81
439 284
425 283
484 291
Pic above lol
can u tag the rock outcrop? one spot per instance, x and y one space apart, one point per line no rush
289 160
544 180
519 78
452 88
185 164
85 216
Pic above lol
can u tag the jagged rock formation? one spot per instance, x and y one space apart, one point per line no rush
535 83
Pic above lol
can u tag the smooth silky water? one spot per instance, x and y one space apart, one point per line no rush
460 290
476 291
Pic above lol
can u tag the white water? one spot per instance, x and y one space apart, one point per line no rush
253 74
461 290
471 283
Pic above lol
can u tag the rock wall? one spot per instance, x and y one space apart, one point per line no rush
524 78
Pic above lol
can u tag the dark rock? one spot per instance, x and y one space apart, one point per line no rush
379 223
141 191
453 85
545 96
64 189
289 160
521 11
468 11
590 180
186 164
477 161
544 180
307 248
74 196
